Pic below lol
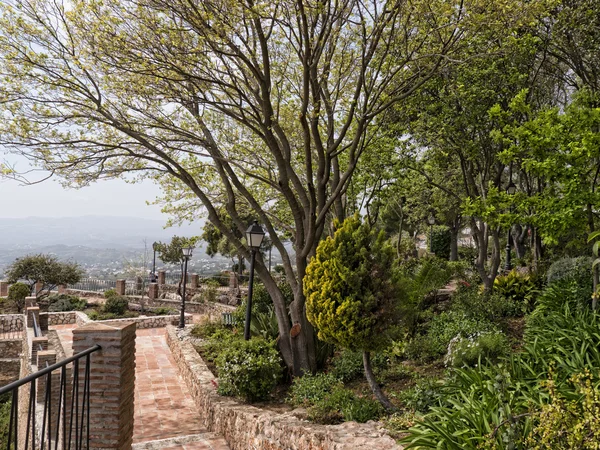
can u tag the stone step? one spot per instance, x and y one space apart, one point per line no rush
203 441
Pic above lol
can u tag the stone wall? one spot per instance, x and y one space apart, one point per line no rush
10 348
208 308
10 359
11 322
79 318
67 318
246 427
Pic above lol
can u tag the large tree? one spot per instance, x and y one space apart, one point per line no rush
242 105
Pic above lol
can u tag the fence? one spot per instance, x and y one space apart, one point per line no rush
94 285
62 420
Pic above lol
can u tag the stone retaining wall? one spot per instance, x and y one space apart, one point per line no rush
67 318
11 322
246 427
10 348
79 318
208 308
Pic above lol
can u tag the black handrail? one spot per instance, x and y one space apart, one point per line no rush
59 415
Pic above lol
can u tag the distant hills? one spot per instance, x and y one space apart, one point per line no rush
89 231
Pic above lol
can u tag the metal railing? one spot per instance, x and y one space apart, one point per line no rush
93 284
65 425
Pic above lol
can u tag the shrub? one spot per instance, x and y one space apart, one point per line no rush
249 369
220 339
164 311
17 293
427 392
493 307
64 302
342 404
310 389
208 293
348 365
109 293
468 351
575 269
440 242
206 329
521 289
116 305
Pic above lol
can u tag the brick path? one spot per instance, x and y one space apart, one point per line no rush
163 407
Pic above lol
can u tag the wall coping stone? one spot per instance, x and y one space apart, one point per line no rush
248 427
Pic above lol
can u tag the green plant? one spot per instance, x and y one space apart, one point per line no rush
164 311
206 329
520 288
209 293
17 293
348 365
426 392
471 350
5 406
219 340
65 302
492 307
115 305
342 404
249 369
109 293
93 315
439 243
309 389
577 269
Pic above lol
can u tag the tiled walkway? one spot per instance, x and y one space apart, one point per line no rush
163 407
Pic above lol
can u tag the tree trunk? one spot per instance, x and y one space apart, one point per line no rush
519 236
385 402
453 243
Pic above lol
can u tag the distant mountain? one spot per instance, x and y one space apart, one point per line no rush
90 231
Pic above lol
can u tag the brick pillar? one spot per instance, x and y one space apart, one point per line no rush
62 289
233 280
194 279
153 291
112 382
31 311
38 287
161 277
3 288
43 357
120 287
30 301
44 321
36 343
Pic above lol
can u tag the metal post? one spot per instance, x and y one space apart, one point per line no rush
249 302
430 238
182 318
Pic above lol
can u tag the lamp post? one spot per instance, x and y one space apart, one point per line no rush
254 237
510 190
431 222
154 247
187 254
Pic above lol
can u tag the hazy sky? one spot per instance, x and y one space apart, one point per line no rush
50 199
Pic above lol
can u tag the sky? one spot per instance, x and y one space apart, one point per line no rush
50 199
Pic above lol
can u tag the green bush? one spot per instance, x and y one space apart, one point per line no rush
5 406
493 307
426 392
65 302
206 329
110 293
116 305
249 369
575 269
520 288
219 340
440 240
348 365
309 389
164 311
469 351
343 405
17 293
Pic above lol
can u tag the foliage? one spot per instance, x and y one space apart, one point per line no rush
568 422
522 289
440 242
492 307
310 389
164 311
577 269
45 269
249 369
348 365
426 392
475 349
341 404
17 293
170 253
116 305
110 293
206 329
220 339
64 302
5 405
352 293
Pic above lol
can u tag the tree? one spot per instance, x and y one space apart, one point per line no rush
17 293
263 107
171 253
352 293
44 269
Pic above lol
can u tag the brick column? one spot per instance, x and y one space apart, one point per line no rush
62 289
161 277
153 291
194 279
3 288
112 382
30 301
43 357
36 343
120 287
31 311
44 321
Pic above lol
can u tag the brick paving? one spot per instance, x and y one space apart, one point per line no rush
162 406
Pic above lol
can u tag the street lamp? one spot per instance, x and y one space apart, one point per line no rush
154 248
511 189
187 254
431 222
254 237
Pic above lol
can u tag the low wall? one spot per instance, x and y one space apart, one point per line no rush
208 308
11 322
79 318
10 348
246 427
